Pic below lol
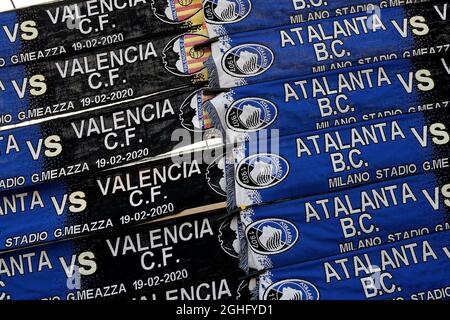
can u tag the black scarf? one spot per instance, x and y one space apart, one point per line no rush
114 199
182 259
101 77
52 30
105 137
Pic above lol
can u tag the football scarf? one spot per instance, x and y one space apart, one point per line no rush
326 225
409 270
332 99
104 76
52 30
335 43
225 17
102 138
168 261
74 207
330 160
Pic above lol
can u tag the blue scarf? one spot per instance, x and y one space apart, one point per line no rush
335 43
332 99
326 225
409 270
331 160
224 17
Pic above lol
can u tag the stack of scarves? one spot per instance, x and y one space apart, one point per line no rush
335 117
99 198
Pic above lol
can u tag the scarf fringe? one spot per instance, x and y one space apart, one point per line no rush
214 116
243 251
213 74
231 187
